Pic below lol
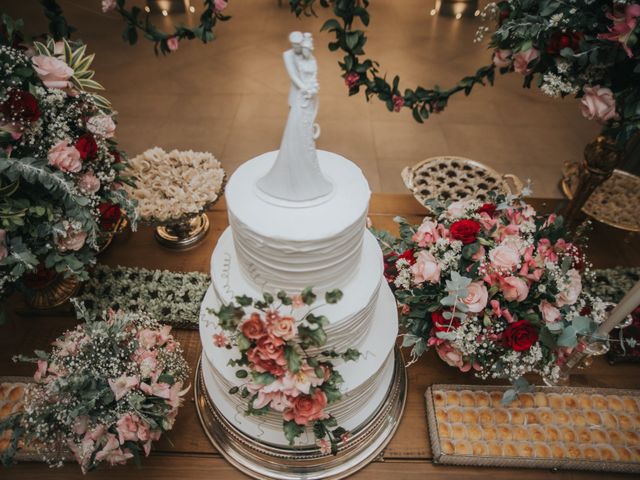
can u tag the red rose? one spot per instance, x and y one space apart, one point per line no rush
465 230
520 335
441 324
110 214
390 259
351 79
253 328
117 158
21 107
87 146
488 208
560 40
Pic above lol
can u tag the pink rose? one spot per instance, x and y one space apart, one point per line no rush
278 401
479 255
65 157
297 302
598 104
220 340
428 233
504 257
147 338
550 314
514 289
173 43
458 208
426 268
102 126
307 408
502 58
521 60
4 251
283 327
398 102
41 370
324 445
122 385
127 428
452 356
112 452
80 424
108 5
89 183
571 291
162 390
476 298
219 5
73 240
53 72
623 26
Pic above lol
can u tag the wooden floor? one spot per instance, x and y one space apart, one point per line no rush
186 452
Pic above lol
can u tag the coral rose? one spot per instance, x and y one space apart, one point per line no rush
53 72
426 268
253 328
598 103
465 230
65 157
477 296
521 60
514 289
520 336
283 327
307 408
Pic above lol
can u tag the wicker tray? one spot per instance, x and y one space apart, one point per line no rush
559 462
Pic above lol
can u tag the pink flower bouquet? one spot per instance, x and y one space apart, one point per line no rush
494 288
106 391
283 368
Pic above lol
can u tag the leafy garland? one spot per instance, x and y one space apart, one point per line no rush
284 365
139 21
364 72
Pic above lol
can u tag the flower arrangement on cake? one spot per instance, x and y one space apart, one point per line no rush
105 392
589 49
287 371
60 171
173 185
494 288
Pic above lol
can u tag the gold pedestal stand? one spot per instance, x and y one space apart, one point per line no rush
184 234
263 461
53 293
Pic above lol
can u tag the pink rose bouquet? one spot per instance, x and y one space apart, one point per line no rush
493 287
283 369
61 169
108 389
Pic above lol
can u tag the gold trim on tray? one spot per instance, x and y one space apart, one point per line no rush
262 460
511 461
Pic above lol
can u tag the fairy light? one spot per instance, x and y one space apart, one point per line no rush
433 12
165 13
147 9
192 9
476 13
458 16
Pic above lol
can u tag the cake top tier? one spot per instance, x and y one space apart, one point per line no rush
299 221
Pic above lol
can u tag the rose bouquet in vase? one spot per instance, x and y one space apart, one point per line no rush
494 288
60 181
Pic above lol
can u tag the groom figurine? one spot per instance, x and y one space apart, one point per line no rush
295 38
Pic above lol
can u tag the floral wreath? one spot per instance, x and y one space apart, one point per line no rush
284 368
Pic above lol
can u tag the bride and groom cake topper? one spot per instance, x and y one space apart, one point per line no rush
296 175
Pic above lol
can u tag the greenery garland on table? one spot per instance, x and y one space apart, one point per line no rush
137 20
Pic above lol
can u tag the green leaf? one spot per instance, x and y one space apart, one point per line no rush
263 378
334 296
268 298
244 301
308 297
284 298
293 359
242 374
351 354
292 431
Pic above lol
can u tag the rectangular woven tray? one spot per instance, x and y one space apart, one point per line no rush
471 423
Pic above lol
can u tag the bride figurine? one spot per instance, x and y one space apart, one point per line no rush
296 175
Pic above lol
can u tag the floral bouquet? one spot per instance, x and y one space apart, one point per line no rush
494 288
284 364
60 180
586 48
106 391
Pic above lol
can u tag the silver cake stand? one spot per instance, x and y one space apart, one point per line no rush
264 461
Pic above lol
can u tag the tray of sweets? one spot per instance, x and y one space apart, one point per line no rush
562 428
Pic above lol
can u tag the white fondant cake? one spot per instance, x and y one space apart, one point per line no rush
270 246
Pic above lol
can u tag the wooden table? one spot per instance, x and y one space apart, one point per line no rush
187 454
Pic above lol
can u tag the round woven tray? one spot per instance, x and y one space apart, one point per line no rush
457 178
615 202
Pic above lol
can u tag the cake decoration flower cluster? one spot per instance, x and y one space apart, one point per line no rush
105 392
494 288
60 169
282 364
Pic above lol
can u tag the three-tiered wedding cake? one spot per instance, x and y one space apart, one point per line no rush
298 219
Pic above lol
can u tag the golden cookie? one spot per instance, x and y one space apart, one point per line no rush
16 393
593 417
540 400
555 401
562 417
573 451
447 447
607 453
546 416
615 403
483 399
630 404
517 417
542 450
583 434
469 415
485 416
509 449
463 447
501 415
525 449
570 401
494 449
536 433
458 431
479 448
504 433
467 398
531 417
489 432
474 432
584 401
520 433
590 453
625 421
599 436
599 402
441 416
496 398
453 399
624 454
567 434
6 410
526 400
609 420
631 438
635 453
454 415
553 433
558 450
439 399
443 430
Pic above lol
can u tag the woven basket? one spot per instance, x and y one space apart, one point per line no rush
457 178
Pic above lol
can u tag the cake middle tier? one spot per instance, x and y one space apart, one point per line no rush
290 246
